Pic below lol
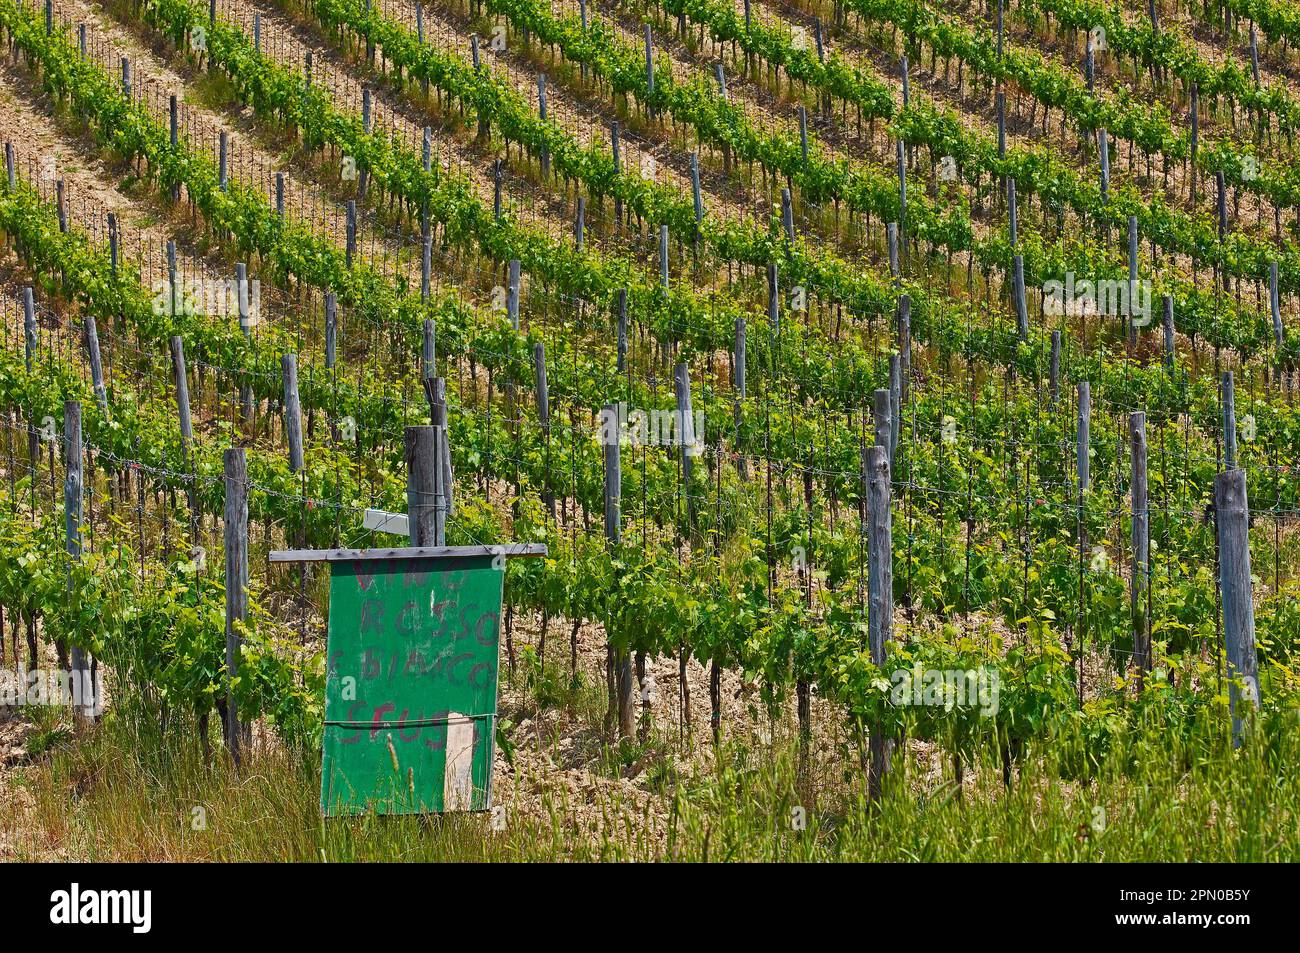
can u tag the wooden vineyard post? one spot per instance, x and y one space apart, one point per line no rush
787 214
241 298
223 170
428 366
1233 513
580 224
891 240
186 424
84 700
883 412
618 672
446 485
350 248
686 436
96 363
292 411
423 496
895 403
543 394
236 545
1139 589
880 586
512 292
905 345
30 343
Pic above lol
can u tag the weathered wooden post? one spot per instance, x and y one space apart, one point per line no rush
241 303
1233 513
685 435
426 262
223 172
351 247
236 546
495 189
292 411
126 77
257 32
891 240
541 113
787 214
907 86
1254 53
1229 423
880 586
580 223
882 407
112 242
182 396
279 194
423 502
512 292
895 404
1139 588
618 661
905 342
96 363
1089 64
61 206
803 132
84 700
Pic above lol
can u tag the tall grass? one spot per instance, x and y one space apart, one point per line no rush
122 791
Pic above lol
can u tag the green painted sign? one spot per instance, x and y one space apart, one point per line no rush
411 691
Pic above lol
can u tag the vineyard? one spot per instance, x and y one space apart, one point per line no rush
907 396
